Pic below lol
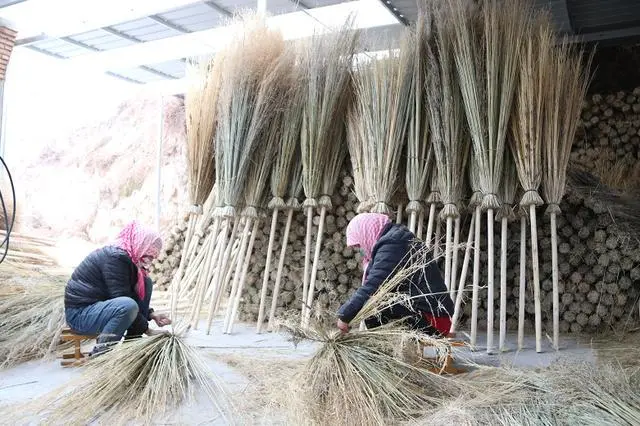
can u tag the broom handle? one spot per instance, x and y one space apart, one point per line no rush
463 276
556 293
190 245
238 272
490 281
536 277
454 258
447 254
276 287
314 270
203 280
523 280
399 215
243 277
307 260
420 224
432 216
215 280
476 279
194 268
436 239
412 222
503 283
183 258
267 267
226 268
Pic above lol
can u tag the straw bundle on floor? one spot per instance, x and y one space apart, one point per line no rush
527 127
568 81
325 62
245 108
287 143
358 377
138 382
380 116
450 146
419 149
31 320
486 48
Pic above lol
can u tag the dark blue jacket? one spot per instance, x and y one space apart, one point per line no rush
104 274
389 255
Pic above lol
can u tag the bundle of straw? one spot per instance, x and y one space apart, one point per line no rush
486 48
527 128
139 381
358 155
31 320
284 166
419 150
450 147
567 85
245 108
325 62
382 92
354 378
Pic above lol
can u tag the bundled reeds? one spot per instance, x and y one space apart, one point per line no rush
31 320
325 61
527 127
487 41
140 381
358 377
567 87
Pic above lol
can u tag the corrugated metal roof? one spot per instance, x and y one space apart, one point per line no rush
174 68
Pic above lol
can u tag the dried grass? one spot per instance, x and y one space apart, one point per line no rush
139 381
31 320
620 175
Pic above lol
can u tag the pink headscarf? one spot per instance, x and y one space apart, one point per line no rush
139 241
364 231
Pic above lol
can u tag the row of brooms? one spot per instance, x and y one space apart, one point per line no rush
481 99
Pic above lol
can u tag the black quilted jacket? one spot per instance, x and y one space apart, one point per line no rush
426 287
104 274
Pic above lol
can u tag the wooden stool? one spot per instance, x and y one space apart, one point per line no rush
77 357
447 367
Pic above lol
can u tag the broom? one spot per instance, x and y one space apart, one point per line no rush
522 279
487 64
356 378
445 117
288 151
527 128
567 86
325 67
31 320
505 215
244 109
419 150
359 161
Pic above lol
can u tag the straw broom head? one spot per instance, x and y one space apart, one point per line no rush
200 106
568 82
243 108
508 189
325 64
383 89
356 144
528 121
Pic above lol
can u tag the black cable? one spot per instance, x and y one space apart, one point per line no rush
8 225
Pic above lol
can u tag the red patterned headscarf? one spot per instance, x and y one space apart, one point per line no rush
364 231
139 241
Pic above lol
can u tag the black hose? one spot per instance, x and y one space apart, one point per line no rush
8 223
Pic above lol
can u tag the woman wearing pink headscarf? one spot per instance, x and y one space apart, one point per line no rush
109 292
384 247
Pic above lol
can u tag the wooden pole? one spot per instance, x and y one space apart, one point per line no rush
267 268
399 215
476 279
412 222
490 281
436 239
503 283
248 221
420 224
447 254
314 271
463 277
283 255
201 284
307 261
455 255
536 277
555 274
523 280
432 217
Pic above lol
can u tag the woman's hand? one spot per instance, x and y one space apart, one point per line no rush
151 332
160 319
342 326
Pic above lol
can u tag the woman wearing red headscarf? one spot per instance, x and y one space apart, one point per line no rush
109 292
384 247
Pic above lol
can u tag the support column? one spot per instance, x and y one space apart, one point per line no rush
159 165
7 41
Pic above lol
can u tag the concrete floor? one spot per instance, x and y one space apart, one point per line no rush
31 380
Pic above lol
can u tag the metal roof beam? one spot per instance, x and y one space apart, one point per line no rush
221 10
159 20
